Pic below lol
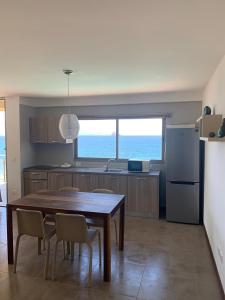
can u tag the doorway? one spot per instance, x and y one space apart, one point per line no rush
3 181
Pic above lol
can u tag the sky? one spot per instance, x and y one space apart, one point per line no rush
126 127
2 123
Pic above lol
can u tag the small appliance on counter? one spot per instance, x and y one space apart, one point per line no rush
138 166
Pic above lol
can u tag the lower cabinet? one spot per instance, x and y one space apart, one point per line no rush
59 180
35 181
142 192
143 196
34 185
118 184
85 182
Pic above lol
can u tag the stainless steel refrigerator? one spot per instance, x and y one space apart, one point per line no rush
183 186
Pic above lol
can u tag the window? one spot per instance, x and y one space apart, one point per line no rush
97 138
122 138
140 139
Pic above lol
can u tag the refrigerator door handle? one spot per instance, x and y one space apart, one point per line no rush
182 182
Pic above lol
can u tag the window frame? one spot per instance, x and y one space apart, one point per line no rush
117 118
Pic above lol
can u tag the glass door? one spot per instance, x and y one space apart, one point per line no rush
3 188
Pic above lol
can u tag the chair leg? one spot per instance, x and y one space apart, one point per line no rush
72 250
90 261
44 248
39 246
116 232
80 249
68 248
54 260
64 250
100 248
16 253
47 260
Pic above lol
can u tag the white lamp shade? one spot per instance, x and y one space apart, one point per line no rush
69 126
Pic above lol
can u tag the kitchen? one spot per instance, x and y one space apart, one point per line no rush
90 173
132 62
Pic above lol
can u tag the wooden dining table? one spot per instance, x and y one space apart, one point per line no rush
94 205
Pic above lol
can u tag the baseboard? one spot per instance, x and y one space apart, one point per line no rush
214 262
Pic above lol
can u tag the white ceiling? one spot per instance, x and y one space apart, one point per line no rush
119 46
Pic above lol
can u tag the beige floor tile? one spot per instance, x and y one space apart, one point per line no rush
161 261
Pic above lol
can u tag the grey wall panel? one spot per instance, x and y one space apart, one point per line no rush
181 112
28 150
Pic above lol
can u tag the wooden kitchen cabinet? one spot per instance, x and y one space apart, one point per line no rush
46 130
35 181
34 185
85 182
118 184
59 180
54 135
38 130
143 196
141 191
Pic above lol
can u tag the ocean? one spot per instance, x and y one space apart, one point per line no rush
132 147
2 156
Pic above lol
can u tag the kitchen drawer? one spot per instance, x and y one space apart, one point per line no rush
35 175
32 186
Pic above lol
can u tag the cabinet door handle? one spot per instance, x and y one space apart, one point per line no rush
139 178
36 181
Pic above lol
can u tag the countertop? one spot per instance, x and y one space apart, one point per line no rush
91 171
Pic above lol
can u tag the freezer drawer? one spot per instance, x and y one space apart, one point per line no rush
182 202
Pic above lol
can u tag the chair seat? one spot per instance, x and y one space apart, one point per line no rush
94 222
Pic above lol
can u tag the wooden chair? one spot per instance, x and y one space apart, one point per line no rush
69 189
31 223
73 229
99 223
50 218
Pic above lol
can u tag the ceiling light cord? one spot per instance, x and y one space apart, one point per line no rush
69 123
68 85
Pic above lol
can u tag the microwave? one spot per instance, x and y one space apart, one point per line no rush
138 165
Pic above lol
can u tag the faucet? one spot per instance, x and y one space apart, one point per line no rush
108 163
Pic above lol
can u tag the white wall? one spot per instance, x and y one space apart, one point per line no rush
162 97
13 147
214 210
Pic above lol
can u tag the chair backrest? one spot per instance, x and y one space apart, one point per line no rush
30 222
69 189
71 227
103 191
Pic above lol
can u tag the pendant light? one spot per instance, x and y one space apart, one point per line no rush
68 123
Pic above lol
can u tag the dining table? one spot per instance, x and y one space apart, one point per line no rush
91 205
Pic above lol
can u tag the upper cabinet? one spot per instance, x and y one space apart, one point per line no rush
38 130
46 130
209 123
54 135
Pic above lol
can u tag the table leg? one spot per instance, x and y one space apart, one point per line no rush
122 223
107 248
10 235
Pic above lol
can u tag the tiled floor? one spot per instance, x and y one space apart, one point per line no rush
161 261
